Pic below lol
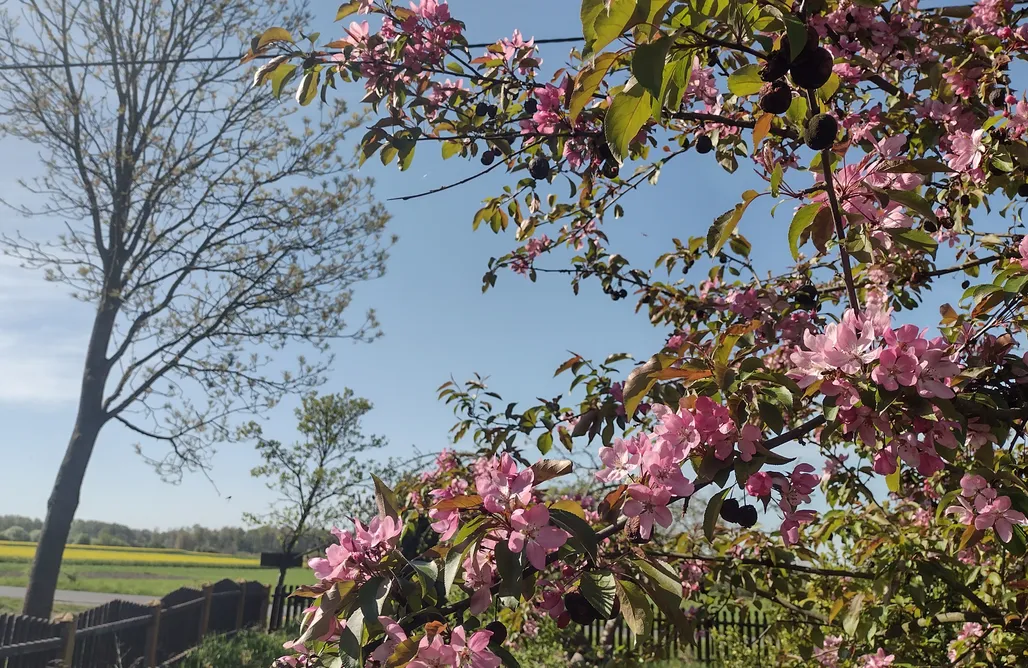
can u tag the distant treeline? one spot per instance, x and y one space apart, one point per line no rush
228 540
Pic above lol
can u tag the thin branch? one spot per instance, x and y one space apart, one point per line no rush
833 202
831 572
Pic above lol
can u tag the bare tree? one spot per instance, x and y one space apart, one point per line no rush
319 481
207 231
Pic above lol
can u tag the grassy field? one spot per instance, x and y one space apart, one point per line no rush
13 606
136 570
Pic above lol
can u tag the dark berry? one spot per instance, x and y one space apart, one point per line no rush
820 132
481 109
930 227
998 97
965 200
812 68
579 609
611 170
775 97
730 510
499 632
1022 190
806 297
965 285
531 106
492 111
722 258
622 293
704 144
776 66
539 168
488 157
747 516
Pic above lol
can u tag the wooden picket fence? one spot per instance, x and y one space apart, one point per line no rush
127 635
703 647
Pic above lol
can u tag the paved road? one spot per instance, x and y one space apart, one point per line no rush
89 598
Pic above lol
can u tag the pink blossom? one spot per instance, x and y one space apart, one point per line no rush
664 471
935 367
502 487
678 431
619 459
533 533
999 516
394 636
828 654
433 653
649 506
750 436
966 151
473 652
877 660
1022 248
790 528
479 576
759 484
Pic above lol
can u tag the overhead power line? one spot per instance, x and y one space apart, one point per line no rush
207 59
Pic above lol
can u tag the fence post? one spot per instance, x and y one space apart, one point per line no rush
263 615
67 640
153 632
241 605
205 614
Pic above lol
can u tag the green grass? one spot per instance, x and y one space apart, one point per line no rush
248 649
13 606
147 580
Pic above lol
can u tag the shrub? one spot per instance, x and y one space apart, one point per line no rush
246 649
15 533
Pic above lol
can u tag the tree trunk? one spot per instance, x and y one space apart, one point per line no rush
64 499
281 578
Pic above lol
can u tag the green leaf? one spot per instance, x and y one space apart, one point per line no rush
912 200
505 656
582 534
548 469
273 35
451 148
721 231
641 379
852 616
916 239
385 499
628 112
635 608
372 595
428 573
745 81
797 33
348 8
454 559
800 222
776 179
919 166
403 653
588 82
664 587
648 65
544 443
1018 543
509 566
826 92
600 590
712 512
602 24
893 481
308 88
797 112
281 76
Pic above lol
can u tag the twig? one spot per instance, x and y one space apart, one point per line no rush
844 255
832 572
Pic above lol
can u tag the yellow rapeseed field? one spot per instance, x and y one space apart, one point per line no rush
127 556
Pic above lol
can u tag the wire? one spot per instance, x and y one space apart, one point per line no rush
209 59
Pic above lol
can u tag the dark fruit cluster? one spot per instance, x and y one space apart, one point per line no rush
744 516
499 632
805 297
820 132
777 64
775 97
539 168
488 157
531 106
812 68
704 144
582 612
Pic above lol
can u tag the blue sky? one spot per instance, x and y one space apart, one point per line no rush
436 320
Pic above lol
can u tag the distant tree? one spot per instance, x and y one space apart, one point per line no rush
15 533
319 480
205 229
34 535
